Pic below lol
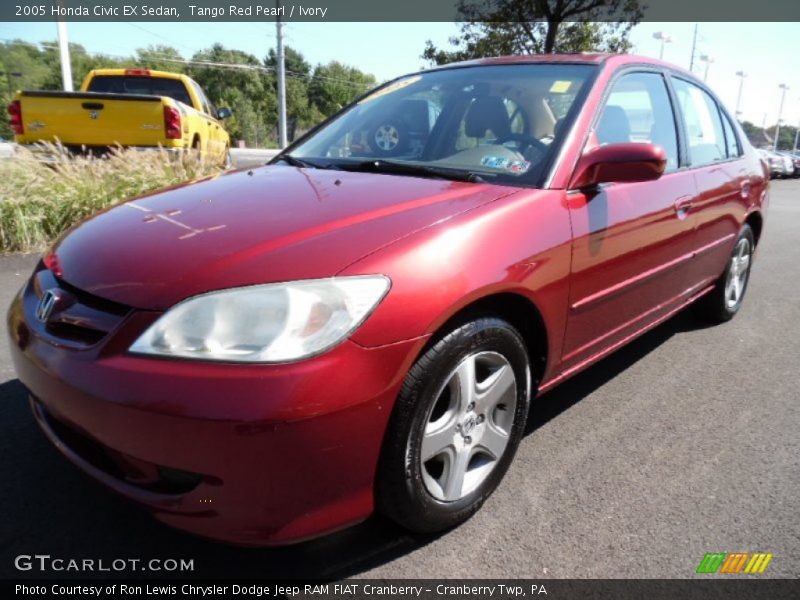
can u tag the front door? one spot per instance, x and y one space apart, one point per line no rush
632 242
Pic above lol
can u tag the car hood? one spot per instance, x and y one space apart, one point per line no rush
271 224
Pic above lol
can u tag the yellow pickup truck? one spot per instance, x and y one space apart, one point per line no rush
127 107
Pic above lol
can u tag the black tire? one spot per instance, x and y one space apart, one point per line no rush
717 305
401 492
389 138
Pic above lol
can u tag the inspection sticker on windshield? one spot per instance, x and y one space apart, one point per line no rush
501 162
560 87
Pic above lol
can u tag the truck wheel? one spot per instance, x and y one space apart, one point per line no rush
389 138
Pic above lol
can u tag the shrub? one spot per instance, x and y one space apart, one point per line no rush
41 199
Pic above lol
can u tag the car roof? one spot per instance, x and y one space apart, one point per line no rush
590 58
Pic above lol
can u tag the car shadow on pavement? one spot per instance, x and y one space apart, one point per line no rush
573 390
49 507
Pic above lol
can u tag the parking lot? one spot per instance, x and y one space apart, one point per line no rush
684 442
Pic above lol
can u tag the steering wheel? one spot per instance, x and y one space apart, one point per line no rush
524 141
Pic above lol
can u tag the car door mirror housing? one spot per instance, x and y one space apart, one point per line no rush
224 112
621 163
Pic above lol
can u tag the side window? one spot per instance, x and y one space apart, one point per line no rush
204 104
638 109
731 143
705 136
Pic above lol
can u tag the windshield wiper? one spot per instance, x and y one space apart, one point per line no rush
299 162
401 168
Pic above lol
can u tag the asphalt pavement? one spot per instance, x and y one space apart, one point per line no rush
686 441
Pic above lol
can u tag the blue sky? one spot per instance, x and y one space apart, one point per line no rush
768 52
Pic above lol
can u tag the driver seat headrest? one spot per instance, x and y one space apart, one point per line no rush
487 113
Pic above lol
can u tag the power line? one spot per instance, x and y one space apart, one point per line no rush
161 37
224 65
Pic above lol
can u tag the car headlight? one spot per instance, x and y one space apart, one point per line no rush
265 323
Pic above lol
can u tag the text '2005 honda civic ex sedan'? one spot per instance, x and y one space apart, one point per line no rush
270 355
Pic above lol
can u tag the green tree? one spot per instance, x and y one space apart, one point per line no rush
785 137
334 86
160 58
299 111
239 80
754 133
81 61
21 68
499 27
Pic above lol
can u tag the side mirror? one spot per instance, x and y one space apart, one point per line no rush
622 163
224 112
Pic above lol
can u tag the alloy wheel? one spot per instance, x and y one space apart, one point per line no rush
468 426
387 137
738 273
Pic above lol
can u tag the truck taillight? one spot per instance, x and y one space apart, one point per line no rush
172 123
138 72
15 110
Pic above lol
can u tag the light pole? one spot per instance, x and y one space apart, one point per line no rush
63 53
282 142
741 75
665 39
783 88
708 60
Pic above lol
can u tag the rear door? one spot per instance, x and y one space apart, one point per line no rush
210 129
632 242
721 175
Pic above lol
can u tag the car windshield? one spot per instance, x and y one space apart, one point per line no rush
498 123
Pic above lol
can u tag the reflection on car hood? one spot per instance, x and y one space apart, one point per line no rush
271 224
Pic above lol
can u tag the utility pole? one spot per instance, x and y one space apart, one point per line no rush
282 141
63 51
783 87
694 47
741 75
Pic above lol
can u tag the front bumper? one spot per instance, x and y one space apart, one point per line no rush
249 454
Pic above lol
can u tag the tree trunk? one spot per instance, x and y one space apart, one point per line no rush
550 38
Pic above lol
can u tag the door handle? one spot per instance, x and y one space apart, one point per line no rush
744 189
683 205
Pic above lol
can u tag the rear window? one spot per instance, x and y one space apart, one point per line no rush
132 84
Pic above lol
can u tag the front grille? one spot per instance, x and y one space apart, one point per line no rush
78 318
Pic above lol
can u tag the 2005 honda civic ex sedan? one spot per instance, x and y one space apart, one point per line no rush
270 355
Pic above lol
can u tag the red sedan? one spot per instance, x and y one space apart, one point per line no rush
270 355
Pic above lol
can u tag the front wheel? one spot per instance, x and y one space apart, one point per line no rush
725 300
455 427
